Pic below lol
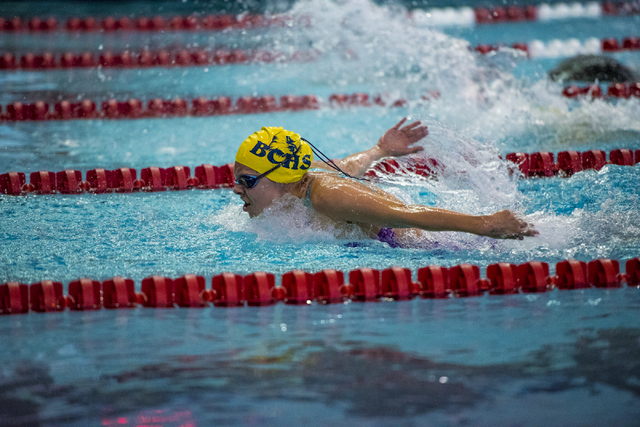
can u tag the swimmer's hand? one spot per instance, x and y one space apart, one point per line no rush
397 141
506 225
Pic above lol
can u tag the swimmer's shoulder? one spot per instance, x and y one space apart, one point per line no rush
322 179
326 187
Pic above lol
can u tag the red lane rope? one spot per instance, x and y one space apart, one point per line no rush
542 164
147 59
614 90
149 24
448 16
535 165
125 180
121 180
324 287
185 58
178 107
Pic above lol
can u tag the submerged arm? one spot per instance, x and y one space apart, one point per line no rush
346 200
395 142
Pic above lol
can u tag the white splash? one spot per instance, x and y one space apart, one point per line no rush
380 47
287 220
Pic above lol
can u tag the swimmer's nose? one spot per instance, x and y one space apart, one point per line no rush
238 189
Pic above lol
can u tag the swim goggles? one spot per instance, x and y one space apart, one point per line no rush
250 181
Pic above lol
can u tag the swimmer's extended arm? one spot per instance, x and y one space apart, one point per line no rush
347 200
395 142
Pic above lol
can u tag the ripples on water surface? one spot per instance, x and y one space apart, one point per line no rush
561 358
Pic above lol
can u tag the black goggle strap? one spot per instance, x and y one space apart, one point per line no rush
326 160
262 175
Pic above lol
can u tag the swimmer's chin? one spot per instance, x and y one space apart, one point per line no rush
247 208
251 213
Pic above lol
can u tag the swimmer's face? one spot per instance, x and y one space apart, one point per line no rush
261 196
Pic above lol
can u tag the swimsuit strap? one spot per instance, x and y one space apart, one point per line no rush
307 197
308 194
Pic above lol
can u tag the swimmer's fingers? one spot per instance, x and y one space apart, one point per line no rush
527 229
400 123
415 128
416 134
526 232
507 225
411 126
419 132
521 236
421 129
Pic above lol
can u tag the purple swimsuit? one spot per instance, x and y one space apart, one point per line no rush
386 235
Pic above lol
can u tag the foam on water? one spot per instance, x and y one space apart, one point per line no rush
379 47
473 177
286 221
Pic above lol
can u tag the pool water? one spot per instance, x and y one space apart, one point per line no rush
559 358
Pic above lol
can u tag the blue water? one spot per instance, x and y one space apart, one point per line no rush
565 358
559 358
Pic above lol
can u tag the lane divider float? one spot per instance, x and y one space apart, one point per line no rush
206 176
535 165
121 180
178 107
149 24
186 58
147 59
594 91
467 17
324 287
543 164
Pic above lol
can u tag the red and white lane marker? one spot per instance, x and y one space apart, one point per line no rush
467 17
463 16
185 58
571 47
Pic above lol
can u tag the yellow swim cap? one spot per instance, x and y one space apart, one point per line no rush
269 147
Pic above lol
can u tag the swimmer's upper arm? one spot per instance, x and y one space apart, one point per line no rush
350 165
355 164
346 200
320 165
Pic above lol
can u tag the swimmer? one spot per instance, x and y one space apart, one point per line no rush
274 162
